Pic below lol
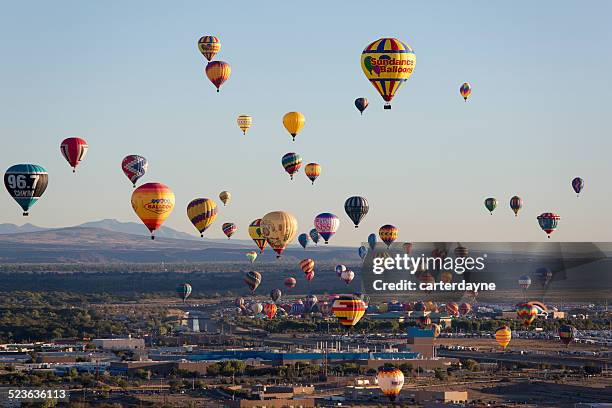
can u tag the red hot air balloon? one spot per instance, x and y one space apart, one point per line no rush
290 283
548 222
74 150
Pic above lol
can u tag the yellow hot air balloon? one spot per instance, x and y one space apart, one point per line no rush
503 335
279 228
153 203
256 234
202 212
387 63
244 123
294 122
390 380
252 255
225 197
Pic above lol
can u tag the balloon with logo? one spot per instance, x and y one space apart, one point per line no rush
516 203
465 308
312 170
279 228
372 241
348 309
256 234
361 104
202 212
153 203
526 312
307 265
548 222
567 334
229 228
388 234
26 183
390 380
291 163
209 46
326 225
363 251
218 72
465 90
356 208
256 308
275 295
452 308
252 280
293 122
74 150
387 63
339 269
303 239
347 276
503 335
270 310
134 167
490 204
225 197
252 256
314 235
290 283
297 308
244 123
184 291
577 185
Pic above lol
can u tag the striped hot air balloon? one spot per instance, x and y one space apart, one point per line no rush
326 225
270 310
183 290
244 123
307 265
312 170
134 167
310 276
423 321
390 380
548 222
524 282
153 203
256 234
252 256
225 197
566 334
465 91
516 203
388 234
218 72
348 309
252 280
452 309
291 163
209 46
202 212
74 150
356 208
503 335
526 312
290 283
229 228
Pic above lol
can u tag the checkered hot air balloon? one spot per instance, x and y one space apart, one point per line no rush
134 167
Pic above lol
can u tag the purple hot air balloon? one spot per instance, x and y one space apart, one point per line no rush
361 104
326 225
577 185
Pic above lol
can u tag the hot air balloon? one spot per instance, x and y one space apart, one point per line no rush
516 203
307 265
279 228
229 228
339 269
387 63
361 104
303 239
526 312
326 225
297 308
244 123
256 234
310 276
26 183
524 282
74 150
347 276
218 72
503 335
461 251
314 235
225 197
490 204
548 222
153 203
293 122
423 321
465 90
465 308
372 241
252 279
363 251
239 302
452 309
356 208
290 283
209 46
388 234
275 295
252 255
256 308
291 163
348 309
312 170
183 290
577 185
202 212
270 310
566 334
309 303
390 380
134 167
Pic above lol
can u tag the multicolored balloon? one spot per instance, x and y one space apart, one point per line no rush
314 235
256 234
312 170
252 280
294 122
339 269
244 123
577 185
290 283
465 90
524 282
390 380
279 228
225 197
74 150
229 228
567 334
134 167
326 225
275 295
503 335
26 183
348 309
452 309
252 256
544 275
356 208
297 308
516 203
218 72
307 265
361 104
372 241
490 204
303 239
423 321
209 46
202 212
184 291
291 163
548 222
526 312
347 276
388 234
270 310
387 63
153 203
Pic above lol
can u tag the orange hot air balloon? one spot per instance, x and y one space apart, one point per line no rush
270 310
312 170
503 335
218 72
390 380
307 265
153 203
293 122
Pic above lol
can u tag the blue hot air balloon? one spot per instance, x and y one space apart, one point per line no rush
372 241
303 239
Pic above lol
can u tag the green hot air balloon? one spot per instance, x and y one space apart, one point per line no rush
491 204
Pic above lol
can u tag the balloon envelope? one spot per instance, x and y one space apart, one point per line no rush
326 225
202 212
74 150
134 167
153 203
279 228
209 46
26 183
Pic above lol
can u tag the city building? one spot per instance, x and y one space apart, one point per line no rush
119 344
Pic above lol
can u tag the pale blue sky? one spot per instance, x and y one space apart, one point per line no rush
128 78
